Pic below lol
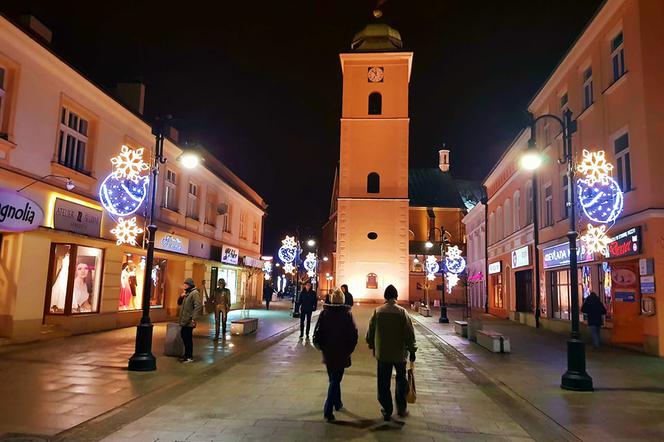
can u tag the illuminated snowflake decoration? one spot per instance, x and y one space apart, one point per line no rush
595 167
126 231
431 276
289 242
432 267
452 281
129 164
596 240
267 270
310 263
453 252
289 268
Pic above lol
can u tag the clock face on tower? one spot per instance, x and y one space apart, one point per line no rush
376 74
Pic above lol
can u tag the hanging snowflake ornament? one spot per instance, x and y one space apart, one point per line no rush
129 164
454 262
452 281
432 267
289 242
453 252
595 167
289 268
596 240
126 231
431 276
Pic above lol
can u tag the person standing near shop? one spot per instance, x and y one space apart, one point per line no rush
391 337
308 304
348 298
220 299
190 309
595 311
267 295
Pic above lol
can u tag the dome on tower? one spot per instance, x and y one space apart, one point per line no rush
377 36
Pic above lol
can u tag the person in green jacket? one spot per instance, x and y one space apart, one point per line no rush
190 308
391 337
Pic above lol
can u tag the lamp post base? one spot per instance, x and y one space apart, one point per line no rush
443 315
143 359
576 378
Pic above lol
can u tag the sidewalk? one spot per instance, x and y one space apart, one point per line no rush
278 394
628 402
50 386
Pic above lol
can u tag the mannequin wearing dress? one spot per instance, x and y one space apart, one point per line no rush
80 299
59 289
125 287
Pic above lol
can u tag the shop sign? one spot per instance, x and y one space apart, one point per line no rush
77 218
230 255
252 262
520 257
495 267
625 296
18 213
626 243
558 256
648 285
171 242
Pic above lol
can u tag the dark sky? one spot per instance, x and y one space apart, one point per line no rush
259 84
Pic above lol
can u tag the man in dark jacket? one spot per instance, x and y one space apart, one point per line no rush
594 310
308 303
267 295
391 337
348 298
336 336
190 309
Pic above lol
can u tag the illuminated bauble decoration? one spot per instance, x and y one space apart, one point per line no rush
126 231
310 263
452 281
454 262
432 267
601 201
596 240
122 197
129 164
288 250
594 167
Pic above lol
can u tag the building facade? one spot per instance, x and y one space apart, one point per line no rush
62 271
475 225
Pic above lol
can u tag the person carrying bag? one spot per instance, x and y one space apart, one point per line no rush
412 391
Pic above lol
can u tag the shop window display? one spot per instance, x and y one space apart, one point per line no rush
605 284
497 282
230 276
75 279
132 281
560 292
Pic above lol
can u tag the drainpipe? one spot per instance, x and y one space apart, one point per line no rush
538 312
485 201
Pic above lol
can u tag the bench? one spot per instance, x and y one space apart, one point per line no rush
244 326
461 328
424 311
493 341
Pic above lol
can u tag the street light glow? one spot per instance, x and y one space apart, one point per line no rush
189 160
428 244
311 243
325 258
531 160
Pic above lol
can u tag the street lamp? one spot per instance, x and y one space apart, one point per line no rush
143 359
575 378
311 243
429 245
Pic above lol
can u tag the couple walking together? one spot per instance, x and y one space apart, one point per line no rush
390 336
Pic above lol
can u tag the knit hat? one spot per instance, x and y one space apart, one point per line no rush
190 282
337 297
391 292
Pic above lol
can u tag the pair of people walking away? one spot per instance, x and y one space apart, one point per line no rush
191 308
390 336
220 301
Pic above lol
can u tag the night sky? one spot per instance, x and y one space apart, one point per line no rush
259 83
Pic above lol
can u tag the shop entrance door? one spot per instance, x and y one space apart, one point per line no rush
627 319
523 282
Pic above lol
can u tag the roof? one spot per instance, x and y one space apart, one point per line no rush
377 36
431 187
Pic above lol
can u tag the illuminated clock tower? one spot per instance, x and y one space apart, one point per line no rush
372 206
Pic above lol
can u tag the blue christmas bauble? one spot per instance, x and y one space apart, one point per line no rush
122 197
287 254
600 202
455 266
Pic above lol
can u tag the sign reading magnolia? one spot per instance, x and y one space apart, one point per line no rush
18 213
520 257
230 255
77 218
557 256
171 242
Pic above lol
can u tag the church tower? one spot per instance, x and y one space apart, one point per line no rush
372 205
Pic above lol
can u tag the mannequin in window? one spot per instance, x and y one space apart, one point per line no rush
80 302
59 289
125 287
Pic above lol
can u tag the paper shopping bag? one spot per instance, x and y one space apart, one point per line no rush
412 392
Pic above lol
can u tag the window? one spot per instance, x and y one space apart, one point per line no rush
548 205
517 210
132 279
492 228
497 284
372 281
74 279
499 224
228 218
73 140
547 133
211 209
560 292
243 221
529 202
623 162
588 98
254 233
375 103
564 196
3 96
192 201
618 56
170 191
373 183
508 217
564 103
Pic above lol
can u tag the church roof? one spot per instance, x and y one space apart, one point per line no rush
431 187
377 36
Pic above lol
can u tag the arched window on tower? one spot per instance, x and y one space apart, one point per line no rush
375 103
373 183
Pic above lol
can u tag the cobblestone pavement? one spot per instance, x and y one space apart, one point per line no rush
51 386
277 394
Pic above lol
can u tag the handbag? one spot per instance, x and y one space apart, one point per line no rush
412 392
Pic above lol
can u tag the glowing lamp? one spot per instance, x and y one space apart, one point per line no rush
189 160
531 159
326 259
428 244
311 243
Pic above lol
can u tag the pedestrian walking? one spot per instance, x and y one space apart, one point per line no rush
308 304
391 337
335 335
595 311
348 298
190 309
220 300
267 295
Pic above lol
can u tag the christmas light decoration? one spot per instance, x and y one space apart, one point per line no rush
288 250
289 268
452 281
310 263
454 262
267 270
595 167
432 267
129 164
602 201
596 240
121 197
126 231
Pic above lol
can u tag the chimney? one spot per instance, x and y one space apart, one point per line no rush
36 28
132 94
444 160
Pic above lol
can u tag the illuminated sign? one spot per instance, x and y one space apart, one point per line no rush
76 218
559 255
520 257
18 213
495 267
230 255
171 242
626 243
